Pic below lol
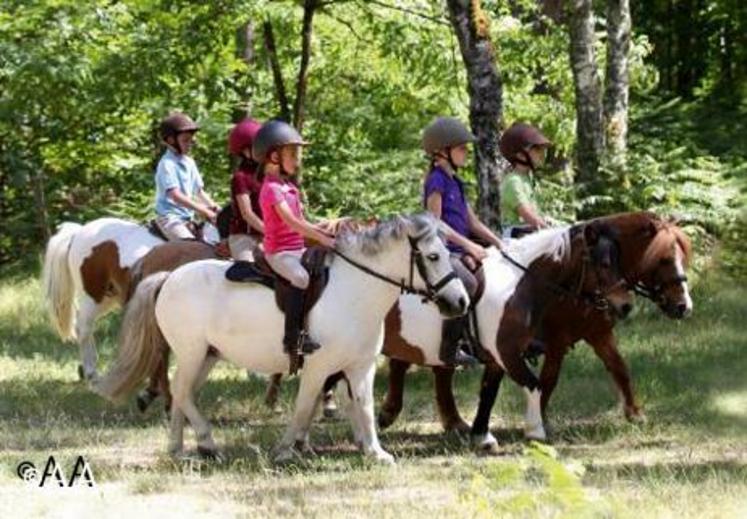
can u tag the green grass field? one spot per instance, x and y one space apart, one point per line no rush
688 460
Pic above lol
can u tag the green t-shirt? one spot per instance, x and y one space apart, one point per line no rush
516 190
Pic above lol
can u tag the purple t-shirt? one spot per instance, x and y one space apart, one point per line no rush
453 203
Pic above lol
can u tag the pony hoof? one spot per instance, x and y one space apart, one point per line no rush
143 401
460 427
330 411
536 434
210 453
485 444
176 453
285 456
636 416
383 457
386 419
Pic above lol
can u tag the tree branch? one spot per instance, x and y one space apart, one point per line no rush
277 72
436 19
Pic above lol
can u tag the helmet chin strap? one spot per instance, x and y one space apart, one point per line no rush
528 162
448 158
175 146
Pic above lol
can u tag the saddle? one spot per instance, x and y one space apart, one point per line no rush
259 271
220 248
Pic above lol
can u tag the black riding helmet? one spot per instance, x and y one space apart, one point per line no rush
273 135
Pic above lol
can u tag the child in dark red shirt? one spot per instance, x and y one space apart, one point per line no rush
245 227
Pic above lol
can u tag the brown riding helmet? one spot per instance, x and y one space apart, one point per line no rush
519 139
176 123
445 132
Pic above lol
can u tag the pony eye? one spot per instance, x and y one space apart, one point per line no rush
433 257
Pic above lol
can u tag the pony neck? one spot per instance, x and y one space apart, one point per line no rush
353 287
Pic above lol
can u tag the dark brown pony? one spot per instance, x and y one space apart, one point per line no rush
653 255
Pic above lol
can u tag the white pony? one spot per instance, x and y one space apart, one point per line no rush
86 274
203 317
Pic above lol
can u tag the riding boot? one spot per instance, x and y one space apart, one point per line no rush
241 271
296 339
451 352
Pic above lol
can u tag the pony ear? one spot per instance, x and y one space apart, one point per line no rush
650 229
592 233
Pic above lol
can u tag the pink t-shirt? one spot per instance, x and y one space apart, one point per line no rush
279 236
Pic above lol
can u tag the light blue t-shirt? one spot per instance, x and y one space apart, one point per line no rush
176 171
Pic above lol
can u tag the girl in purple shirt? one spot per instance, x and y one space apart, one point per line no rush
445 141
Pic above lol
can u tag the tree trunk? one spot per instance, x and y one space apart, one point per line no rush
309 7
40 201
277 72
589 135
617 79
470 25
245 42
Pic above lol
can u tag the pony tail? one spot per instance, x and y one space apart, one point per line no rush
141 344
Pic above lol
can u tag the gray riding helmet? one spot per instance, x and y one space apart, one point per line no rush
274 134
445 132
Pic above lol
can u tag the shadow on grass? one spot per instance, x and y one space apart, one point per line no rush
692 472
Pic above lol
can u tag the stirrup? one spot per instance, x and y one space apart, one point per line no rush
307 346
464 359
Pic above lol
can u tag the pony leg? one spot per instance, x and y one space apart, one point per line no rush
157 386
393 402
513 337
329 406
273 387
447 409
555 353
307 401
88 311
189 373
605 347
362 411
482 438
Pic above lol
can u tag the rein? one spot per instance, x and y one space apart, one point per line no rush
416 259
597 299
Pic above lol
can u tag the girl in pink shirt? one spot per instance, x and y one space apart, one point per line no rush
277 148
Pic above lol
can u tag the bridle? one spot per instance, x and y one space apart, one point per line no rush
655 293
416 261
596 299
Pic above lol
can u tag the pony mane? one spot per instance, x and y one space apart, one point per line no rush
668 236
374 239
554 242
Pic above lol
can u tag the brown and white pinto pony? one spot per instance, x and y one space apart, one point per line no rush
92 269
653 256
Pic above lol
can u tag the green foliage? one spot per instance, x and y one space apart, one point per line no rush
83 85
538 483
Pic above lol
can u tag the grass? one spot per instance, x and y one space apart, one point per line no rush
688 460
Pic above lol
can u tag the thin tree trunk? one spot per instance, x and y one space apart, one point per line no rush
617 79
470 25
589 135
40 201
277 72
309 7
245 42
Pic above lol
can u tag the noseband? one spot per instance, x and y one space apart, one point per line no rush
656 293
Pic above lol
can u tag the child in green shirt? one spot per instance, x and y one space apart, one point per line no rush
524 146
